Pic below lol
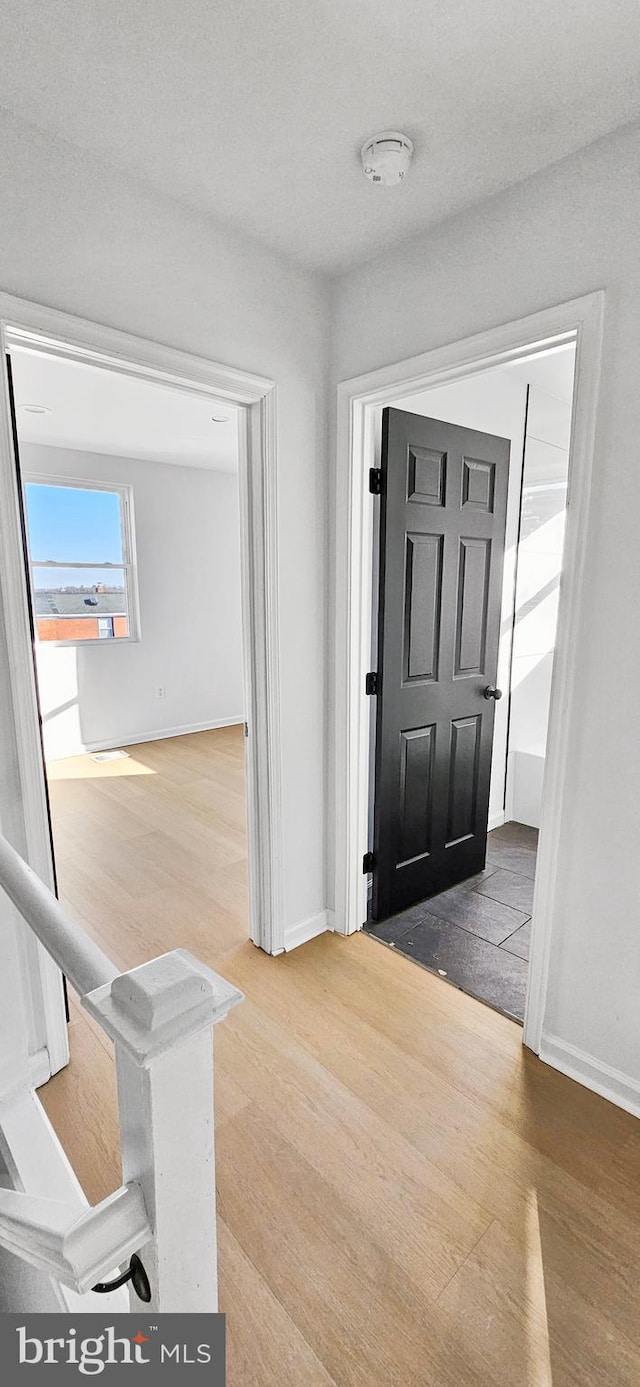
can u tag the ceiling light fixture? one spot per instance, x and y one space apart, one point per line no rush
386 157
37 409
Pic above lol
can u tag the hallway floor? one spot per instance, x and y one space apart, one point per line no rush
405 1194
476 935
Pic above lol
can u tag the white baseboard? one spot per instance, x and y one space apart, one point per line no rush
305 930
160 733
610 1083
496 820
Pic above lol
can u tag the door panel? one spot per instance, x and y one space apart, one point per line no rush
423 582
416 783
442 521
463 779
474 566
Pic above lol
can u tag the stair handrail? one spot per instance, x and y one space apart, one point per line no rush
81 960
160 1017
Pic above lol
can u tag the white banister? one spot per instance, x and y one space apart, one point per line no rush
160 1018
78 1249
81 961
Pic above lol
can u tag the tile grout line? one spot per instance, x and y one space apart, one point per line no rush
515 931
474 935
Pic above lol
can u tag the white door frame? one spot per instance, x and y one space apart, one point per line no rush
64 336
359 404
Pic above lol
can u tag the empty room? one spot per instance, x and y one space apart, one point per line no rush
132 558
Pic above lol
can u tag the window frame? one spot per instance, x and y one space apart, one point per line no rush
129 561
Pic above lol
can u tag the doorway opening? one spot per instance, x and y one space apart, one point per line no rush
468 554
361 402
249 402
131 508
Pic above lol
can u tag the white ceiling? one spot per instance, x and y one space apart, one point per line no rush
100 411
255 111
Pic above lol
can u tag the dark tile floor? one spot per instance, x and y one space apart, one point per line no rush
477 935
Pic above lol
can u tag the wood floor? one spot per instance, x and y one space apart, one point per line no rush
153 846
406 1196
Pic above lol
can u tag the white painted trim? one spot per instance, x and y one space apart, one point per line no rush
160 1017
564 689
258 476
305 930
182 731
496 820
36 1163
77 1249
359 404
43 983
38 328
610 1083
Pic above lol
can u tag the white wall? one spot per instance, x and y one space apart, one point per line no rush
544 497
568 231
79 236
187 530
494 402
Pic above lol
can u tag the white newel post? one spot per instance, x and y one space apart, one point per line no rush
160 1018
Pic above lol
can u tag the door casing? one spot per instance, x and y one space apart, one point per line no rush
360 402
32 326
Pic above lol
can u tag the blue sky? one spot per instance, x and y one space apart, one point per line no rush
68 523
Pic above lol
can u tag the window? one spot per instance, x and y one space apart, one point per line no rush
80 542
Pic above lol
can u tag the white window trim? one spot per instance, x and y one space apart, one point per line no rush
129 561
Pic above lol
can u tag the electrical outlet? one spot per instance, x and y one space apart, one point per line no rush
160 691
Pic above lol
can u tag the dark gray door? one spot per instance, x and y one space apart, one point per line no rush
442 522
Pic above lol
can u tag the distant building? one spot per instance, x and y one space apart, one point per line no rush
84 614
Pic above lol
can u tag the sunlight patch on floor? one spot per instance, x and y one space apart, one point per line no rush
539 1372
85 768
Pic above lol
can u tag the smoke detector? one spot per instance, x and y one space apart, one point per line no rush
386 157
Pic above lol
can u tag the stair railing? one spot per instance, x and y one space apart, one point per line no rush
158 1231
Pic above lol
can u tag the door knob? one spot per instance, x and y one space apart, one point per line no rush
491 692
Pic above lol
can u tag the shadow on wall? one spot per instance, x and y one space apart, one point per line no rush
57 670
73 704
539 567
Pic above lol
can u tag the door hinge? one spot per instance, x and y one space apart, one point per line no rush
375 481
372 682
368 862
